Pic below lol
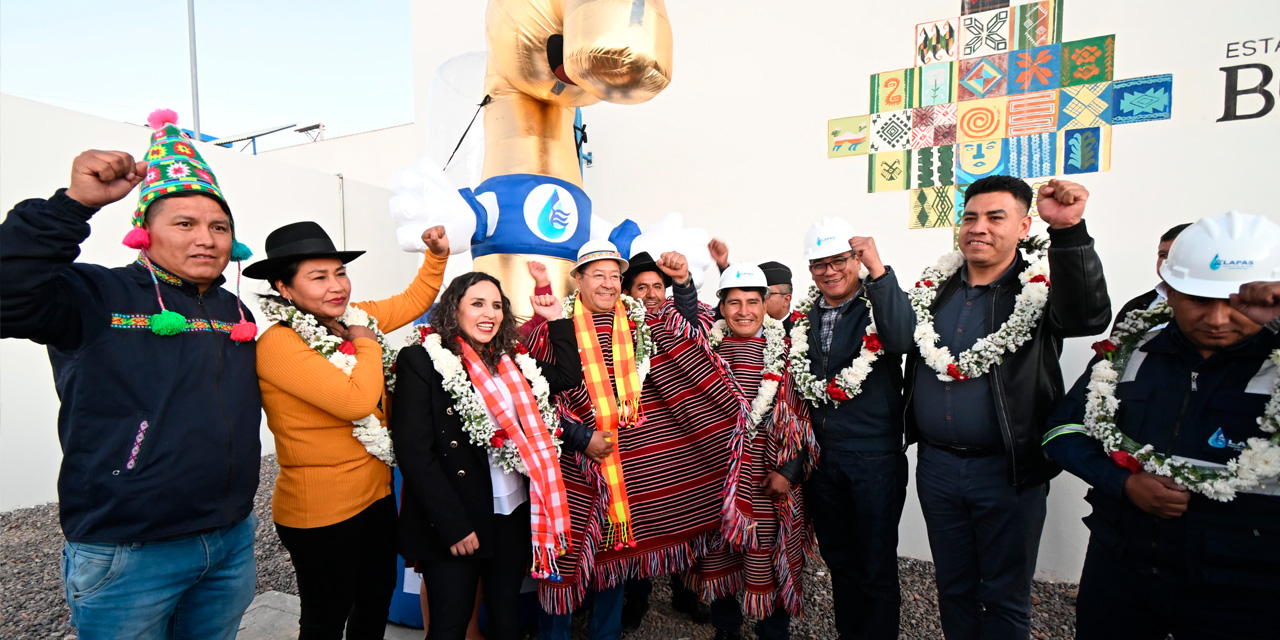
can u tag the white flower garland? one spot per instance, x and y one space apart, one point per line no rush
1015 332
368 430
775 347
643 334
481 430
849 380
1257 463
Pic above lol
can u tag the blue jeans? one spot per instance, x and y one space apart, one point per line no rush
855 499
195 586
984 535
606 618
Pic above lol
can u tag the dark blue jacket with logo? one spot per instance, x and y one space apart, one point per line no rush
159 433
1185 405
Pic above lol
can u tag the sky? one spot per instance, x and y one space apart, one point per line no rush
261 64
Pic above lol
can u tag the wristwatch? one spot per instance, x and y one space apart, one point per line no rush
1274 325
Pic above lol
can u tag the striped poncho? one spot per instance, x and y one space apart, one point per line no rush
766 541
674 464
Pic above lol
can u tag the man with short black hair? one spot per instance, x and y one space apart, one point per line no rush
977 412
1160 292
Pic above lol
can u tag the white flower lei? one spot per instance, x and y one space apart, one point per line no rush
775 347
470 406
849 379
643 334
368 430
1015 332
1256 464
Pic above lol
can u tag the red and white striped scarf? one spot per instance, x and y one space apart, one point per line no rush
523 425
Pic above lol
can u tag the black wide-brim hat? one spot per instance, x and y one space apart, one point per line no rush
294 242
640 263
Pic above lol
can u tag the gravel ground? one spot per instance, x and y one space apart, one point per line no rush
32 605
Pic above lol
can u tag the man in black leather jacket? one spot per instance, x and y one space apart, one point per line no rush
981 476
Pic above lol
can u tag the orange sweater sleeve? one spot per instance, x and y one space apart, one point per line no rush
405 307
285 360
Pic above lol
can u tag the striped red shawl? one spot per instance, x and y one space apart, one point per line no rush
675 463
766 542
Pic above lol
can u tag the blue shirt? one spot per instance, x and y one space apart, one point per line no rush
960 412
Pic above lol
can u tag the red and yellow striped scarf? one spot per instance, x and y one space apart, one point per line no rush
612 412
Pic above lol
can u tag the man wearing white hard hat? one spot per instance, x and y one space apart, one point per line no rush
656 414
1174 429
853 328
764 521
981 381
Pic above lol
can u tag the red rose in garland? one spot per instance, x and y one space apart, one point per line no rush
872 342
836 392
1126 461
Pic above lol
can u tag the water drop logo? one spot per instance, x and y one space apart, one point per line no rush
1219 263
551 213
1217 440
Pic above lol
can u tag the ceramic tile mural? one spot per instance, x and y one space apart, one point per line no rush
996 90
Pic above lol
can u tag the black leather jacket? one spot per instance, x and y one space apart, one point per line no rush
1027 384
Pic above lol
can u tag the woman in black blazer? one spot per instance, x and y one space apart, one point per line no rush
463 520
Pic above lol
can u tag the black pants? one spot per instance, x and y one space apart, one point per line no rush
855 499
1121 600
452 580
346 573
985 536
640 588
726 615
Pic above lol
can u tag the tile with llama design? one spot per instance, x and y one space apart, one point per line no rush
848 136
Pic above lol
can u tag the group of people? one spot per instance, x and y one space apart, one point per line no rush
625 433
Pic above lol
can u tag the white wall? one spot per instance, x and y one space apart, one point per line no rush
36 151
737 144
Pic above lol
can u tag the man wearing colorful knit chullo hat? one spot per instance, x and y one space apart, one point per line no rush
160 401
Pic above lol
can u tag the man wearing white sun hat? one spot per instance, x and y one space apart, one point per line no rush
1181 542
850 333
645 468
764 521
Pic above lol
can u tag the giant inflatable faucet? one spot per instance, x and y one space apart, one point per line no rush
545 59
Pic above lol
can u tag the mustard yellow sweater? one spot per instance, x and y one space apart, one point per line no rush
326 476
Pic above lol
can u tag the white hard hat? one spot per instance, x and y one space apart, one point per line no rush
593 250
743 275
827 237
1214 256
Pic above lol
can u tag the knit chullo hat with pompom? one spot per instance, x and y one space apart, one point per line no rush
175 167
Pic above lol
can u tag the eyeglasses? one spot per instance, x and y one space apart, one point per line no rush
836 264
604 277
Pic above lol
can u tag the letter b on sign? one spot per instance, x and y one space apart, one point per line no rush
1230 109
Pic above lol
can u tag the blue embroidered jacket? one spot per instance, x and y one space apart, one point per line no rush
159 433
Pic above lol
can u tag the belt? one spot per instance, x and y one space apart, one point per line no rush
965 451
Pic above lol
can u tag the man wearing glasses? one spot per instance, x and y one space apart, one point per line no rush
855 495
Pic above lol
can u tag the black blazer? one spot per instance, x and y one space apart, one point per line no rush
447 493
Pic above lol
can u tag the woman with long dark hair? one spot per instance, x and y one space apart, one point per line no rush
478 443
324 367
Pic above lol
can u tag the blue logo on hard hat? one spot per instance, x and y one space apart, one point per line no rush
1218 263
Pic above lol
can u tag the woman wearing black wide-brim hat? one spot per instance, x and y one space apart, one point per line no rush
324 369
